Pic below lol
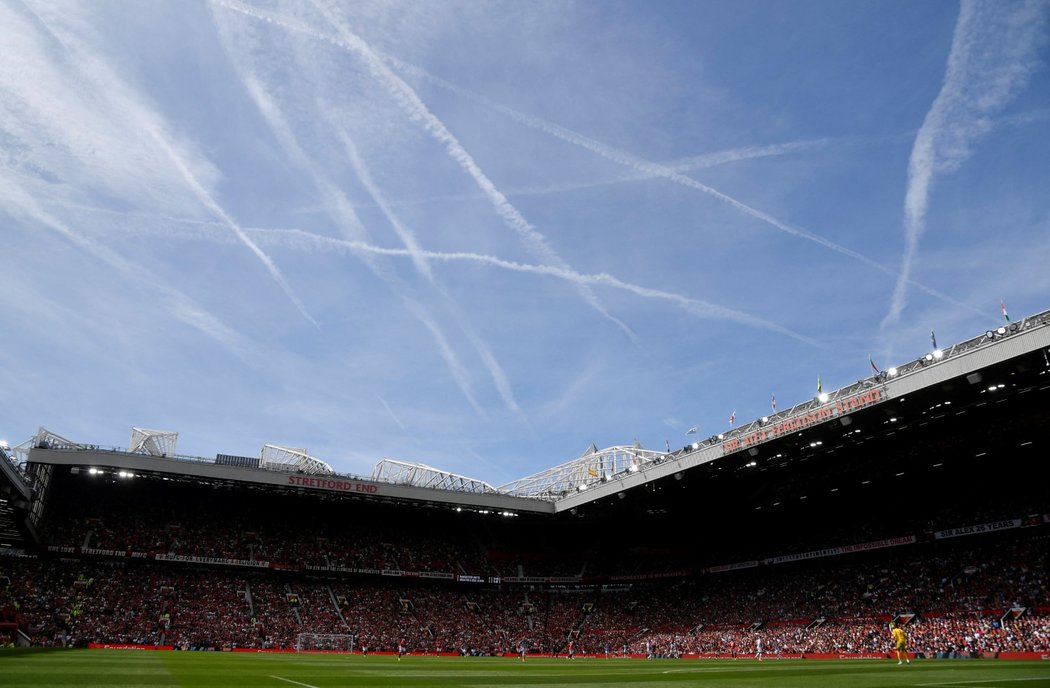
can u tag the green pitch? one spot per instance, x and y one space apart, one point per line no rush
133 669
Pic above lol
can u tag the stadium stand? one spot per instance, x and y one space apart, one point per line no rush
930 509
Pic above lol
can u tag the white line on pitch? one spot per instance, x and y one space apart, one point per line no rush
983 680
695 670
281 678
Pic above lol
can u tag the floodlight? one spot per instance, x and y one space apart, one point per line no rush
990 334
928 358
823 397
938 354
765 419
1001 331
892 372
696 445
633 468
582 487
721 436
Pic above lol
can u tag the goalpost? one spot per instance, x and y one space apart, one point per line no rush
338 642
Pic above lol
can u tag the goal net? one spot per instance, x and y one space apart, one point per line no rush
325 641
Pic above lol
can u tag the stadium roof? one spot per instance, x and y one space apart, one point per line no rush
595 474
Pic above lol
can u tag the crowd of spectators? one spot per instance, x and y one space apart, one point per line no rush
971 600
961 590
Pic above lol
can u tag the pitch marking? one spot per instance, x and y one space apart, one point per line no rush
281 678
692 671
983 680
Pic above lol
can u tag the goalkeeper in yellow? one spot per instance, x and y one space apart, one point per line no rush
900 642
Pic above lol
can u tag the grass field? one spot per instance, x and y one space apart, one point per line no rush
128 669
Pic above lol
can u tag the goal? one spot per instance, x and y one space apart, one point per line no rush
337 642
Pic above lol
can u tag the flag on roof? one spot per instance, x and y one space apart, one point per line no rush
1002 305
820 387
873 366
773 402
732 417
693 430
933 338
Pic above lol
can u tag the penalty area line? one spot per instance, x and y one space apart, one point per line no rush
281 678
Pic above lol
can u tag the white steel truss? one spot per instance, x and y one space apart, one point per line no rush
592 467
290 459
421 475
153 442
45 439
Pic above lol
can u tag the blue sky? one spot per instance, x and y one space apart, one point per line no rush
484 235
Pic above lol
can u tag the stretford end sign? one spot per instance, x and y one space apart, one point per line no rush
340 484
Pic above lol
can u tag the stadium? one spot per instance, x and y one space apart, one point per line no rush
402 343
917 496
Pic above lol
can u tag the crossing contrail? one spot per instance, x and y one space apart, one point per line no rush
337 205
138 116
643 167
301 240
407 99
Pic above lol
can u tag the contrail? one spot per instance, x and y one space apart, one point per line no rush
209 202
417 255
693 162
18 200
643 167
681 165
403 94
672 171
656 170
392 414
351 225
146 120
336 202
460 373
994 53
301 240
